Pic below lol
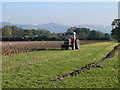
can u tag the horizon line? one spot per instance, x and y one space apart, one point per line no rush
53 23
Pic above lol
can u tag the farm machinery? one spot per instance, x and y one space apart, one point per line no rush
70 41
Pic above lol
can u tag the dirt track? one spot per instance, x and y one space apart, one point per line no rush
28 46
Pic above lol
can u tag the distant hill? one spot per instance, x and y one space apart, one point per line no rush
27 26
2 24
58 28
106 29
53 27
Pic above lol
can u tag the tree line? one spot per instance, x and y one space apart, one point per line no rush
87 34
116 29
18 34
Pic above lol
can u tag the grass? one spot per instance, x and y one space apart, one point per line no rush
34 69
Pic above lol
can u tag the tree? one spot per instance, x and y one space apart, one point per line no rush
28 33
116 33
14 31
7 32
96 35
59 36
116 29
107 36
116 23
82 33
20 33
71 29
45 34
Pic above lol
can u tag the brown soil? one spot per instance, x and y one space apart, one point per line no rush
76 72
111 53
29 46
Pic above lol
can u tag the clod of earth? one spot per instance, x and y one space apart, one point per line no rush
77 72
111 53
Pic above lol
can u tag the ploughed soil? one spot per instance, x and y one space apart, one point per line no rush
112 53
28 46
77 72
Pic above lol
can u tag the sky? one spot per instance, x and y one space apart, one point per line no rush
67 13
119 10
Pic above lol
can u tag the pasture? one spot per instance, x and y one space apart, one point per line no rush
35 69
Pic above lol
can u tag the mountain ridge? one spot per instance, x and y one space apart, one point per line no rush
59 28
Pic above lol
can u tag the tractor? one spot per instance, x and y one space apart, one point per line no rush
70 41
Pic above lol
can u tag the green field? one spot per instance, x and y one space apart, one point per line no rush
34 69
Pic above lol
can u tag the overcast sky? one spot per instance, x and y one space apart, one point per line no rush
68 13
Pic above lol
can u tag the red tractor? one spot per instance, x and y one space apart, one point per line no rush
70 41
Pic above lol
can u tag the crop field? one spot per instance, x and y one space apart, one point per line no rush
36 69
21 47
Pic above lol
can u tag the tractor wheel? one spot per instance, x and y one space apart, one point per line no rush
77 44
73 46
62 47
66 47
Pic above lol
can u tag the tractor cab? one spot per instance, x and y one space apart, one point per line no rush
70 35
70 41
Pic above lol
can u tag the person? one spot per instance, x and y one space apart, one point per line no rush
71 37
